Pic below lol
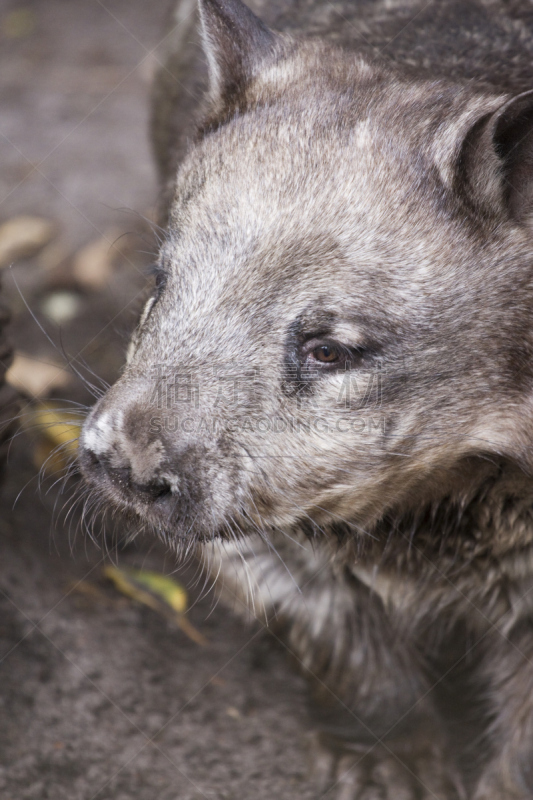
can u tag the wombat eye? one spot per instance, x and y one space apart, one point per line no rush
326 354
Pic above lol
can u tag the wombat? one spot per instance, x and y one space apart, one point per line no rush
330 389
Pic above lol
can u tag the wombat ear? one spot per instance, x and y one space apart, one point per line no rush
497 160
236 43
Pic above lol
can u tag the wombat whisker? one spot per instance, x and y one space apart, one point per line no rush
36 428
159 232
70 471
151 253
208 586
104 385
59 508
249 579
28 413
78 492
69 360
43 468
271 547
89 513
71 502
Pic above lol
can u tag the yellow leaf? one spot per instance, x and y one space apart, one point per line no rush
158 592
171 592
61 429
54 433
126 584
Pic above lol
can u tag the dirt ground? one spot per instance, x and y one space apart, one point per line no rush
101 698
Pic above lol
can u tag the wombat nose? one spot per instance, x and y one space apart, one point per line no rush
101 467
157 488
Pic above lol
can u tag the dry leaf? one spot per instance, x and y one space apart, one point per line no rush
93 264
36 378
22 237
158 592
60 428
94 594
56 442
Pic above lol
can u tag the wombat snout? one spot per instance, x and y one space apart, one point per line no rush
159 476
155 489
120 454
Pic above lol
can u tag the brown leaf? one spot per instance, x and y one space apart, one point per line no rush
24 236
93 264
36 378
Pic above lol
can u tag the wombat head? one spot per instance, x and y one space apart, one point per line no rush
343 304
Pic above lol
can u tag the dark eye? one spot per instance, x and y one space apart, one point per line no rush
326 354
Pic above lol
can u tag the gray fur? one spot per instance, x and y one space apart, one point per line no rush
361 180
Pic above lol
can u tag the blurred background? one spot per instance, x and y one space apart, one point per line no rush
102 695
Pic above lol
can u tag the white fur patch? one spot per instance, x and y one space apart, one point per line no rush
100 431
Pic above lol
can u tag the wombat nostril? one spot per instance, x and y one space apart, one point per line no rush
158 489
164 487
120 476
90 460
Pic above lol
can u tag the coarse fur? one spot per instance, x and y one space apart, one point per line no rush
331 386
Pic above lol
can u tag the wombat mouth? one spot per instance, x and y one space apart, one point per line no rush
179 512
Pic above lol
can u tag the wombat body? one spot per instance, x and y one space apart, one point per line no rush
331 386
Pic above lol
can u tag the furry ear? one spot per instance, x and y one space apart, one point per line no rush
496 162
236 43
